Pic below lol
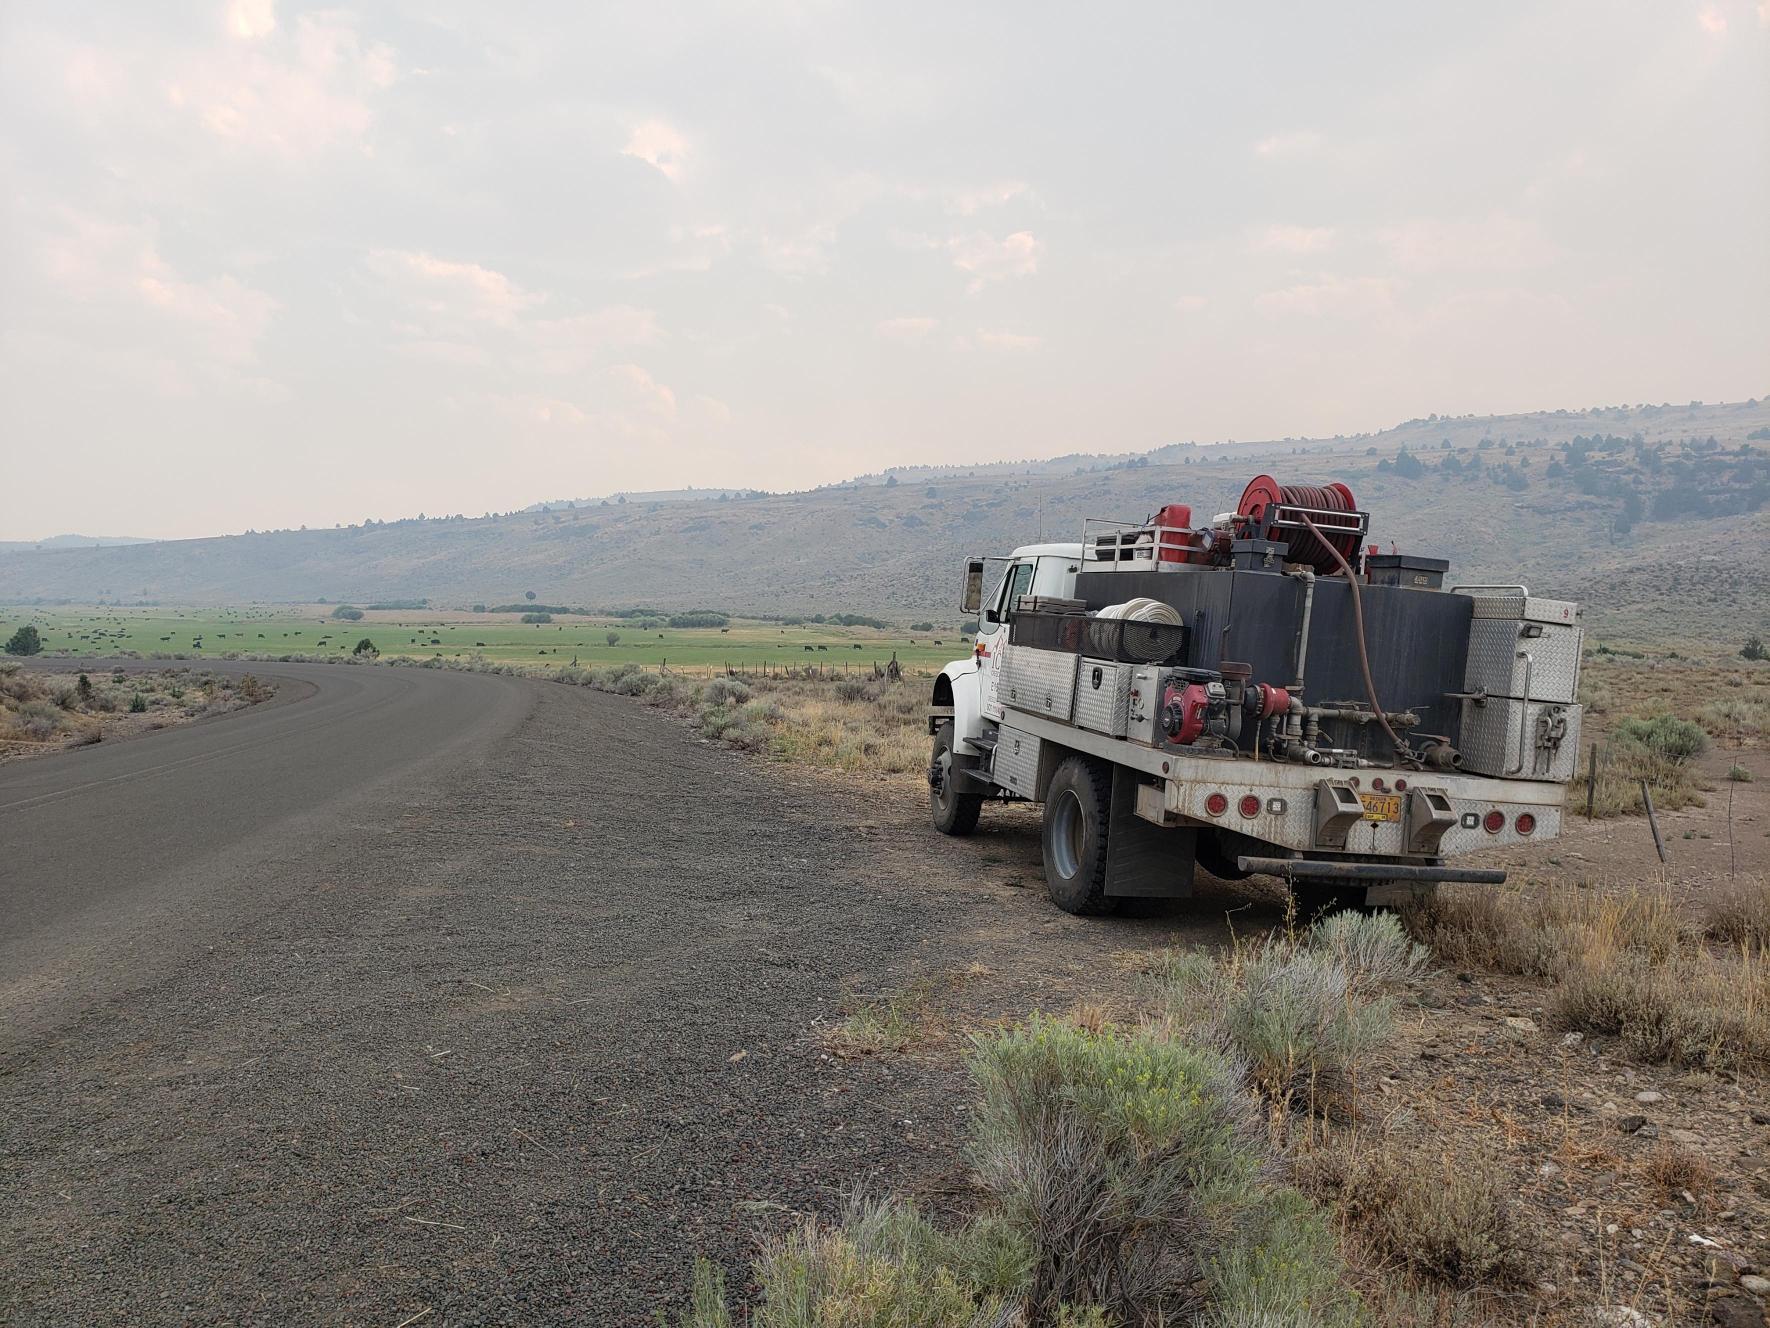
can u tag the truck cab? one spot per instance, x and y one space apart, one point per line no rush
964 690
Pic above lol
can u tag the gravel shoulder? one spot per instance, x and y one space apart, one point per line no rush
508 1038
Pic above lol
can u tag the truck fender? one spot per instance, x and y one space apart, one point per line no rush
959 687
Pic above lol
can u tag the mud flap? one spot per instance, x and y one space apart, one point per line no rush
1144 861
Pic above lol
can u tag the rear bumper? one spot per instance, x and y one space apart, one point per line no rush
1330 869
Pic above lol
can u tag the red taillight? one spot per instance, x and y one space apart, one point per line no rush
1525 823
1494 822
1401 786
1378 784
1250 806
1217 804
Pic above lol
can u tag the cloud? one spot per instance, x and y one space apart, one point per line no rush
1277 239
1714 21
568 345
1296 143
988 259
294 94
1190 304
639 389
1330 295
1009 340
1498 243
966 201
452 289
659 146
250 20
117 271
905 329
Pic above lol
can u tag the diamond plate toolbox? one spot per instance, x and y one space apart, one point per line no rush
1519 739
1503 651
1017 760
1525 608
1103 696
1040 681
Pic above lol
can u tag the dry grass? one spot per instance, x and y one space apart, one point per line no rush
1678 1171
1443 1219
893 1024
1622 966
1740 912
42 711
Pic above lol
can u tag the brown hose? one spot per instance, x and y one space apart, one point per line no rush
1364 660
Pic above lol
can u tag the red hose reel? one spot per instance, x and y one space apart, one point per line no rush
1260 515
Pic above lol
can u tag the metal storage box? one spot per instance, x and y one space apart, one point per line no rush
1511 602
1503 652
1040 681
1407 569
1506 736
1103 696
1017 761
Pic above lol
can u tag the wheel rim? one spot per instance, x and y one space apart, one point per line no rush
943 757
1067 829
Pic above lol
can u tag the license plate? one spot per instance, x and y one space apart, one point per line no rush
1381 806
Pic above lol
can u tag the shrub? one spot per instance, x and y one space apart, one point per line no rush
1118 1157
1739 774
1671 739
25 641
1448 1220
537 618
1373 948
725 691
347 612
613 638
1297 1015
856 689
1734 717
138 704
365 647
1690 1010
922 627
1754 648
700 618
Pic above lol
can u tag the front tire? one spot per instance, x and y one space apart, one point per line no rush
955 810
1078 807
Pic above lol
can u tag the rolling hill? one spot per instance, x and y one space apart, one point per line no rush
1657 517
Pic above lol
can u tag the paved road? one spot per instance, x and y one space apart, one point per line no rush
419 991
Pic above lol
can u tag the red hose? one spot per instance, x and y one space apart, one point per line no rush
1402 752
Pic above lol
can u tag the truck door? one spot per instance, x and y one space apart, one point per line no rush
992 632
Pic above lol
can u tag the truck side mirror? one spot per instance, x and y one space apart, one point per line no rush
973 600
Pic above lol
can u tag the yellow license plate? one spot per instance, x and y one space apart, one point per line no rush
1381 806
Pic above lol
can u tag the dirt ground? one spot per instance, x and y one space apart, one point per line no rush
1600 1149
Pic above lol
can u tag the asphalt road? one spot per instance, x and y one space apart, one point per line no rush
419 993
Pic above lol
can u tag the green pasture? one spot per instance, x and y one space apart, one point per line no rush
209 633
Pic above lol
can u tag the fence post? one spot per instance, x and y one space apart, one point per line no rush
1653 822
1591 781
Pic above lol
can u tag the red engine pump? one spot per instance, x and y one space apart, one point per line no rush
1189 712
1193 710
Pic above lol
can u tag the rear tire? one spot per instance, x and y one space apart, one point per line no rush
955 811
1078 807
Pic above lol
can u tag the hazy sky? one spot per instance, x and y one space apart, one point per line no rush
268 264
